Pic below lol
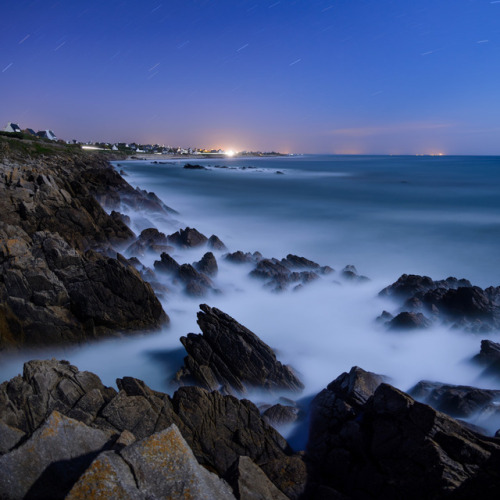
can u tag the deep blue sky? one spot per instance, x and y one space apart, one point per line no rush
328 76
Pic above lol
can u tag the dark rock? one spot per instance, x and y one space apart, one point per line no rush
451 300
48 464
190 166
296 262
457 400
289 474
150 240
215 243
167 264
490 351
45 386
9 437
277 276
164 467
197 284
117 216
207 265
108 476
218 428
409 285
409 321
393 447
489 356
239 257
60 279
188 237
250 483
278 415
326 270
351 273
384 317
229 355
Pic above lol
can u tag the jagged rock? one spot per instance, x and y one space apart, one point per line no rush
207 265
250 483
279 414
296 262
150 240
218 428
48 464
108 476
54 286
229 355
197 284
489 356
458 401
451 300
384 317
351 273
409 321
117 216
164 467
279 274
215 243
9 437
188 237
239 257
390 446
409 285
490 351
45 386
167 264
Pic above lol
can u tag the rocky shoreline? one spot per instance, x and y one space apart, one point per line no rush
72 272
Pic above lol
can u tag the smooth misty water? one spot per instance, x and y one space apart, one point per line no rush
438 216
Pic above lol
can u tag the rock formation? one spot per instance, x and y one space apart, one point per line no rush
133 424
452 301
230 358
370 440
60 279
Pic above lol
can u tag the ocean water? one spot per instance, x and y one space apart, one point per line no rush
387 215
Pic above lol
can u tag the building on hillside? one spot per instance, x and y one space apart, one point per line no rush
12 127
47 134
29 131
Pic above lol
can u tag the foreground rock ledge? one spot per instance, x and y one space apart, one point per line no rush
218 429
230 358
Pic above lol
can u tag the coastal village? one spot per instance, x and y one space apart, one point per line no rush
132 147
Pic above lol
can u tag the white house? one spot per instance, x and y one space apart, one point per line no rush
12 127
47 134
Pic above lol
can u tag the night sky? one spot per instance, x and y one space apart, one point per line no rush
303 76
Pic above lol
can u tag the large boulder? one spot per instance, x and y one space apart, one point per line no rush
164 467
386 445
187 238
489 356
207 265
51 460
459 401
52 293
231 358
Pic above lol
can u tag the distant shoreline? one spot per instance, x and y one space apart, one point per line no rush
162 157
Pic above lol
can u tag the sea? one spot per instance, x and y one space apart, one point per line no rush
437 216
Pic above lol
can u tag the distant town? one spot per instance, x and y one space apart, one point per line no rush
131 148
